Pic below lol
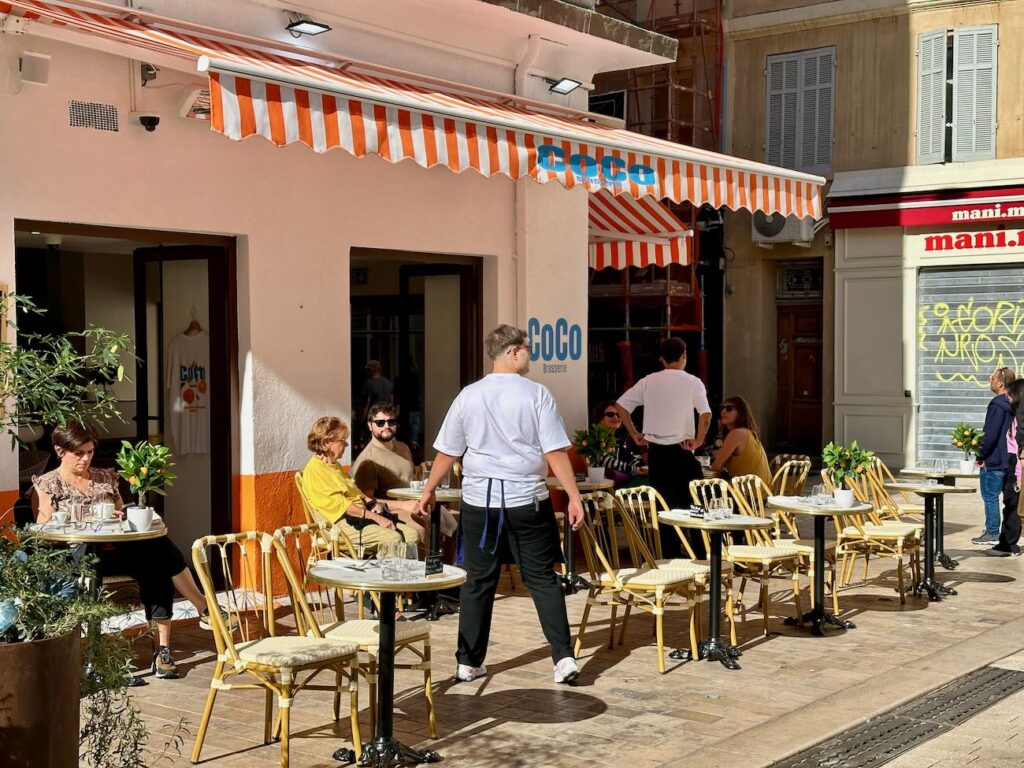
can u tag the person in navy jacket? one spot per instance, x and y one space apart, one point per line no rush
993 459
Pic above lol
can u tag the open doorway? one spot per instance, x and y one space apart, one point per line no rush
418 316
156 287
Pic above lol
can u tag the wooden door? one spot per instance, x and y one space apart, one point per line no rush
798 358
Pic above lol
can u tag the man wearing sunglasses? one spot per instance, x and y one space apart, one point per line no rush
670 398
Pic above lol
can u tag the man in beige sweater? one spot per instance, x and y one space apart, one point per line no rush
385 462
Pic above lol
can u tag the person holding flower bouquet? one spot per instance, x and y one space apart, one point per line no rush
992 458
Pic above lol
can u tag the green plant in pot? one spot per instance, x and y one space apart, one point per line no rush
63 684
147 468
846 463
593 445
967 439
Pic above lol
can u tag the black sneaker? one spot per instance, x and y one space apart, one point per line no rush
997 552
985 538
163 665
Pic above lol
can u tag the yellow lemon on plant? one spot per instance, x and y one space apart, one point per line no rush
144 471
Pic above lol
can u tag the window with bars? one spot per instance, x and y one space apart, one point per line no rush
799 107
956 94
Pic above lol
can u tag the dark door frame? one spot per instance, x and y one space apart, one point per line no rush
223 332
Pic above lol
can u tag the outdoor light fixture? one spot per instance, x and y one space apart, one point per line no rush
300 27
563 85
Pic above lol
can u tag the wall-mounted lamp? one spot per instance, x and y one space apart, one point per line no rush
300 26
563 85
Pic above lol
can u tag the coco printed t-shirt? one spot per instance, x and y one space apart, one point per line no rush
188 366
502 426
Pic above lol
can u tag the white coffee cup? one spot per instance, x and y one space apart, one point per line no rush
140 518
60 516
416 485
103 510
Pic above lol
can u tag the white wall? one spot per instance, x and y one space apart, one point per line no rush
295 214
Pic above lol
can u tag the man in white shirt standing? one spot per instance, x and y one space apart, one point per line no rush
508 431
669 399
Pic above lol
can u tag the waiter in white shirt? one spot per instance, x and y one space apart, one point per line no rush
669 399
508 431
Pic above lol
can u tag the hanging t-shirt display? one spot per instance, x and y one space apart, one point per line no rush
188 365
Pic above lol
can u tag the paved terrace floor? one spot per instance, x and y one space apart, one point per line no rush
793 689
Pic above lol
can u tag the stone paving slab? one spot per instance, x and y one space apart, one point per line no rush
792 691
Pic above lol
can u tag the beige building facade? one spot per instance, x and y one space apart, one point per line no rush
913 111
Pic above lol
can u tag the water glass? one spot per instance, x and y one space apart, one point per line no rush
410 558
389 556
77 511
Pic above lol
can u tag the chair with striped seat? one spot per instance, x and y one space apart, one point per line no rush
647 586
279 666
759 558
316 615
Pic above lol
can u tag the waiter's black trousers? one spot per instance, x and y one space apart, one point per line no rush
531 534
671 468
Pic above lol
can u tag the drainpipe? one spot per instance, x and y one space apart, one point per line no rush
521 245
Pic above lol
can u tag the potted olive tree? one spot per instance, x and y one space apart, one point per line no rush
64 684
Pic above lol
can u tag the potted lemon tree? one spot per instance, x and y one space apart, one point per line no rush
147 468
594 445
845 462
967 439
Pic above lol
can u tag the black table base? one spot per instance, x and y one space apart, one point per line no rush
928 583
819 617
383 753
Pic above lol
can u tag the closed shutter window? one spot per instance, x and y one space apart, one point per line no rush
931 97
969 323
974 93
799 110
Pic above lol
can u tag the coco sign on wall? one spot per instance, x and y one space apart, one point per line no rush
554 344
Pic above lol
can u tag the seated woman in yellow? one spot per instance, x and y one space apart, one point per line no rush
333 494
741 452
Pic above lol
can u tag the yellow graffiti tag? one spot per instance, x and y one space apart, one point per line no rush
979 336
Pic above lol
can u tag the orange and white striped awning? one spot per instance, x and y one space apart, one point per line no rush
286 99
626 232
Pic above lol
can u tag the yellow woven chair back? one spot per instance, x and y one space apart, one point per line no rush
750 492
296 549
703 491
782 458
607 531
861 492
244 567
789 479
642 504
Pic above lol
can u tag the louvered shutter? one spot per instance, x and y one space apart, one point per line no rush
931 97
816 111
974 93
781 110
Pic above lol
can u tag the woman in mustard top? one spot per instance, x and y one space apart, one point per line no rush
741 452
333 494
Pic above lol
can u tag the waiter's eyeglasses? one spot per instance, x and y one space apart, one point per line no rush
611 414
382 422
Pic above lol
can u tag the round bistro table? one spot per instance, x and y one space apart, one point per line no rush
945 477
933 495
715 647
93 532
819 617
345 573
572 582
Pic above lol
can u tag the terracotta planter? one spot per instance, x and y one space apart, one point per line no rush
39 692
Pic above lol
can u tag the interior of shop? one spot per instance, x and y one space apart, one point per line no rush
158 293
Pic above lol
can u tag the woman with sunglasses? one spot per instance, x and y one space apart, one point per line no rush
623 465
741 452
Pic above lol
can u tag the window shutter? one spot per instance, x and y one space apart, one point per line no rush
781 111
816 111
931 97
974 93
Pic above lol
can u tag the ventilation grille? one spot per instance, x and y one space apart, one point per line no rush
89 114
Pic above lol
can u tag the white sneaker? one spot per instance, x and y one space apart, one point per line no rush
566 670
465 673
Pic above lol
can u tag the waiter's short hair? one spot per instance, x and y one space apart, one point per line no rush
324 430
501 338
673 349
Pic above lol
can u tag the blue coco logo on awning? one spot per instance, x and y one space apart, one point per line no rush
609 169
558 342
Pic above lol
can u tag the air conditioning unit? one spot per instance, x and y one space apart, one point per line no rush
767 230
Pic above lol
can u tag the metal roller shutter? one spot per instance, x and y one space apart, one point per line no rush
969 322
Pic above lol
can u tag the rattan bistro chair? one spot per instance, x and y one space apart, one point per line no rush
759 558
790 477
317 616
280 666
648 587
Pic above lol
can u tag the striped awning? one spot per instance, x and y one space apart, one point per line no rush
286 99
626 232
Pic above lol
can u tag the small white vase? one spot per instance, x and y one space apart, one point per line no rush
844 497
968 466
139 518
595 474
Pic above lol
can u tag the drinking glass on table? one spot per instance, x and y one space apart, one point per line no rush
389 553
410 558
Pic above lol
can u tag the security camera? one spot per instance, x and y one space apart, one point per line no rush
53 242
149 122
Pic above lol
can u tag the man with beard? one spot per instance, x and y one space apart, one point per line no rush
385 462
